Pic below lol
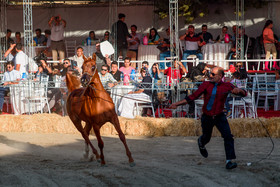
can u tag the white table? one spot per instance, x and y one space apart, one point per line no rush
89 50
117 93
18 94
217 51
148 53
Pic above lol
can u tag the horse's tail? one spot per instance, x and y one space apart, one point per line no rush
72 82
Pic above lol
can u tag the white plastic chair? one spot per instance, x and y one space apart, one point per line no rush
140 105
37 95
70 46
266 89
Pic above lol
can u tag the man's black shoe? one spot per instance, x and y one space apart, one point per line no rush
202 149
231 165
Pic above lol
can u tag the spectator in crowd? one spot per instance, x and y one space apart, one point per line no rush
11 53
145 64
127 69
18 38
106 37
39 38
269 44
192 44
115 72
5 41
91 39
156 75
240 69
57 25
100 59
133 44
221 36
47 43
164 48
143 92
204 35
233 37
153 37
10 76
79 58
232 54
21 60
107 78
120 32
176 72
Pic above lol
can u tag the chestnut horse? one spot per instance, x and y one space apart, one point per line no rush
93 105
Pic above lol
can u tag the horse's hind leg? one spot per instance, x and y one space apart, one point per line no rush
85 135
100 143
116 124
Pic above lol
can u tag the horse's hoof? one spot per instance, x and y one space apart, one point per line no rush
98 160
132 164
91 158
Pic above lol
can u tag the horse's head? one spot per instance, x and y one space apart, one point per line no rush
89 65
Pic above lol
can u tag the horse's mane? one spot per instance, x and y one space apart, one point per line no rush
72 82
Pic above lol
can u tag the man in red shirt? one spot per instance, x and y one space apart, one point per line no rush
215 93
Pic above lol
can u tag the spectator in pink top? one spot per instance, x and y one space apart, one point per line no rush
126 69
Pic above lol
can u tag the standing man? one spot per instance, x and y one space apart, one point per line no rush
215 93
21 60
57 26
5 41
121 33
133 44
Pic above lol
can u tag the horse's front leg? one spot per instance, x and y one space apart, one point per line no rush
87 129
100 142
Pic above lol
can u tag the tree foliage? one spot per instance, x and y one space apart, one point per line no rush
191 9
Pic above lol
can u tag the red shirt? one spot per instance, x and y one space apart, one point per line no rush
176 73
223 88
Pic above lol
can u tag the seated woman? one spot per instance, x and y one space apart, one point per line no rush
143 92
154 37
127 70
106 37
91 39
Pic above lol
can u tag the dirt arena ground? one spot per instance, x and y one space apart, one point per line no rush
33 159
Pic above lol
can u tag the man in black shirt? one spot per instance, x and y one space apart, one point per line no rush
120 33
115 72
204 35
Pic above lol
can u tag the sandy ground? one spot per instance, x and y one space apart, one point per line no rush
28 159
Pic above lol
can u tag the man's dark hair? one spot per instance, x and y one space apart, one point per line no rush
145 62
38 30
8 30
114 62
236 75
191 26
48 32
121 15
204 25
221 72
80 48
105 65
18 33
127 58
134 26
9 63
19 46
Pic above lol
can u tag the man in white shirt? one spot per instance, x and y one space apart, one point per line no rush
21 60
79 58
133 44
10 76
57 26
